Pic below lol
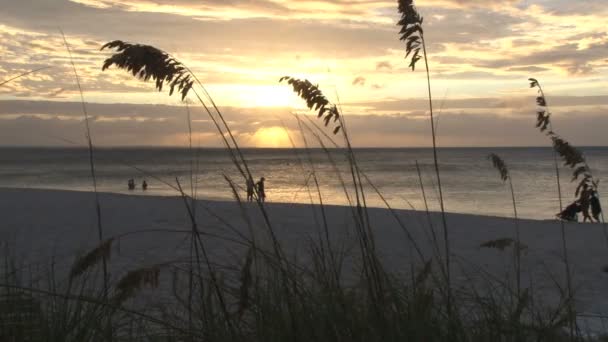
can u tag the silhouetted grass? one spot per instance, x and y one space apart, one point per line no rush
412 33
572 158
22 75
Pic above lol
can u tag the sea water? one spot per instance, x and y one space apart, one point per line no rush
469 182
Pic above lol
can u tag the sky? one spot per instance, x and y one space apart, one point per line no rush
481 54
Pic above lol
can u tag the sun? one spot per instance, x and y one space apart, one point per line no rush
271 137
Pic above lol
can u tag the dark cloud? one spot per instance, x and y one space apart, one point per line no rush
384 65
122 124
476 26
529 69
513 103
568 8
447 73
359 81
486 129
256 5
524 42
568 56
182 34
51 123
251 35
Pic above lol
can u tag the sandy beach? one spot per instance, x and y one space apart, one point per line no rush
46 226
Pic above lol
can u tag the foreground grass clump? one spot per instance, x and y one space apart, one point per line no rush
262 307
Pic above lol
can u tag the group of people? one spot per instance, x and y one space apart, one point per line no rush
588 202
251 188
131 184
257 188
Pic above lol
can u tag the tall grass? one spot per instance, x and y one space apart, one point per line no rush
7 81
91 151
329 112
413 34
574 159
505 176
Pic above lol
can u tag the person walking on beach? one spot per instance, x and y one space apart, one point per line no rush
250 187
131 184
596 207
144 185
261 191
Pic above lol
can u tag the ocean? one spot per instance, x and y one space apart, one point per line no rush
470 183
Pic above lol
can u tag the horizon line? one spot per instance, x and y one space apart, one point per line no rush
276 148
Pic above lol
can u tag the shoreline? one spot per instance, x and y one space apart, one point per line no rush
138 193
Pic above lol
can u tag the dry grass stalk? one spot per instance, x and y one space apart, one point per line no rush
22 75
246 281
99 253
423 274
500 244
500 165
412 33
315 100
505 176
543 122
147 62
135 280
411 30
571 156
91 163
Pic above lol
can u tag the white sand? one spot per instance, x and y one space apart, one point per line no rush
45 225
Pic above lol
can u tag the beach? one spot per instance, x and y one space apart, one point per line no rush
43 227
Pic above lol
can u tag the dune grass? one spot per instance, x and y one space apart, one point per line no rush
268 295
413 34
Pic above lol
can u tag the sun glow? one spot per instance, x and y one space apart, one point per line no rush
258 96
271 137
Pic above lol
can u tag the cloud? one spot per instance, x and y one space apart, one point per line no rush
520 105
529 69
359 81
384 65
567 56
569 8
472 125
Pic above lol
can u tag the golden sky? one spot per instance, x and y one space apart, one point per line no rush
481 54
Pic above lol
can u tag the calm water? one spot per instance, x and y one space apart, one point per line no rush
470 183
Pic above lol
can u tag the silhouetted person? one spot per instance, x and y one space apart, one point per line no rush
144 185
250 188
585 201
261 191
569 214
596 207
131 184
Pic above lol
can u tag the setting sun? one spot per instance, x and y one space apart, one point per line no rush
271 137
